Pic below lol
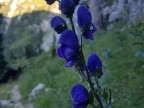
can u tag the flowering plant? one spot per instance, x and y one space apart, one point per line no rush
71 51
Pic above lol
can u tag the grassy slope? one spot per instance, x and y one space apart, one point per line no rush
28 6
123 71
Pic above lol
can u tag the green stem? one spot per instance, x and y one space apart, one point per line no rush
71 22
99 91
73 28
91 84
82 74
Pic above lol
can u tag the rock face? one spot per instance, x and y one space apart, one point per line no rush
15 100
107 12
35 91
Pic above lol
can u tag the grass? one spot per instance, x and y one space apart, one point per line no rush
123 71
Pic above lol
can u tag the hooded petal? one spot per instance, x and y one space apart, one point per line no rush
58 24
70 63
50 2
94 65
70 55
88 35
84 17
94 62
67 7
79 94
70 39
59 52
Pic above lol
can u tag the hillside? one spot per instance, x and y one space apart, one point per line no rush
122 53
29 44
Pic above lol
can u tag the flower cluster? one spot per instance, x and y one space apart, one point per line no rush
70 50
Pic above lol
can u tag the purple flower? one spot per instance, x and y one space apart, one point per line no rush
68 54
94 64
69 49
58 24
67 7
85 22
80 97
50 2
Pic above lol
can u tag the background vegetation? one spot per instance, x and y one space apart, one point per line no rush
120 49
122 53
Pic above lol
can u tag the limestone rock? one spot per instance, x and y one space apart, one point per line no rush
36 89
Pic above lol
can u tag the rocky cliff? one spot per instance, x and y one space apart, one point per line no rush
106 12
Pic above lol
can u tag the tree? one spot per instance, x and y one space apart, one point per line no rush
3 63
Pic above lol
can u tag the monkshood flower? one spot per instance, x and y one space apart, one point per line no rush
58 24
67 7
80 96
50 2
95 65
69 49
84 19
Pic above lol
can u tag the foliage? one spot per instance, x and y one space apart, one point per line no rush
3 63
71 50
123 71
26 40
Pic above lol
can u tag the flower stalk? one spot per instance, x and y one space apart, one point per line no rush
71 50
72 24
87 72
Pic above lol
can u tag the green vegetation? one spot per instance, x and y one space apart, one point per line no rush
24 36
3 63
122 53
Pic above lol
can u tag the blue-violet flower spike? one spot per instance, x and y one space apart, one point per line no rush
94 63
79 95
84 19
70 39
50 2
67 7
58 24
